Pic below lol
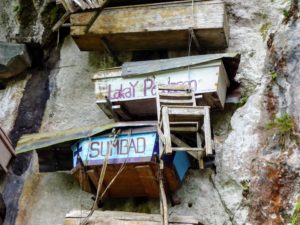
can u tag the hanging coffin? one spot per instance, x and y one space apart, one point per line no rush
138 152
152 27
83 151
122 91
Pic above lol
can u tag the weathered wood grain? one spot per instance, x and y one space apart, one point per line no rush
153 26
124 218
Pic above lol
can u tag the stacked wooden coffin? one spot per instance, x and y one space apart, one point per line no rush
164 25
128 93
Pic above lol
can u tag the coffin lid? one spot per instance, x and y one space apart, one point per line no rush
30 142
231 62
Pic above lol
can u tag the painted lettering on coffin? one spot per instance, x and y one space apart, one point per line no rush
136 148
133 89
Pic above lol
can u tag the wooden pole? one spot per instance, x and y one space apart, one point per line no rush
163 197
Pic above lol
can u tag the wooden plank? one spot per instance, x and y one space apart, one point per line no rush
195 39
117 217
207 131
166 26
184 127
148 180
182 144
61 21
175 95
200 154
163 198
186 111
176 102
166 130
178 87
187 149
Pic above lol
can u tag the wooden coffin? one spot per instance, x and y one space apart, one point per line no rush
152 27
6 150
138 152
131 90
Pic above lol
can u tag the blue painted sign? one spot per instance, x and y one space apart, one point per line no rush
130 148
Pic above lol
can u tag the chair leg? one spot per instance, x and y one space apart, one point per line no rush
166 130
207 132
199 153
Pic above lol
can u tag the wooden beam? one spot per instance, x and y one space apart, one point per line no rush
200 154
207 131
61 21
163 198
180 149
166 130
195 40
125 218
182 144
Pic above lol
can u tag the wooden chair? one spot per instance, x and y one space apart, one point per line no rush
177 112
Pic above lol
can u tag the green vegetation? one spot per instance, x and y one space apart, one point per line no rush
286 13
264 29
243 100
282 125
53 14
274 75
296 214
18 9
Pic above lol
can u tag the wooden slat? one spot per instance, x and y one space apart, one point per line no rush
184 126
61 21
195 39
176 102
200 154
176 95
148 180
178 87
187 149
182 144
191 111
166 130
121 217
207 132
186 129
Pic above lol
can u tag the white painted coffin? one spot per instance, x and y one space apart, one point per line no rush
132 94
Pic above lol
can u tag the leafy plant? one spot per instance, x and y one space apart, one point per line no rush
296 214
286 13
282 125
274 75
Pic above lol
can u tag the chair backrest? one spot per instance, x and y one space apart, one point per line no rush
174 95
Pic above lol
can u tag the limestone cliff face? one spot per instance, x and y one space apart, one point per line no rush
258 170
